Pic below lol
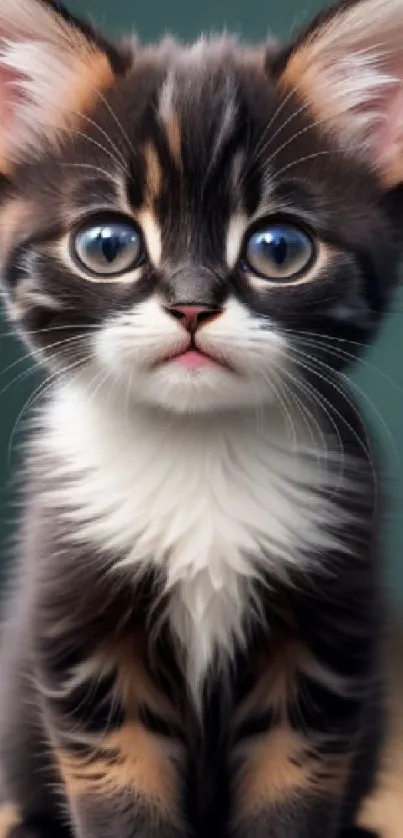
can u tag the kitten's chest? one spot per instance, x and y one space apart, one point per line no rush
214 505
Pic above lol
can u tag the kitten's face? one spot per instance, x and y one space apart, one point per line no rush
195 236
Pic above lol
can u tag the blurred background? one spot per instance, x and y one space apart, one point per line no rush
377 380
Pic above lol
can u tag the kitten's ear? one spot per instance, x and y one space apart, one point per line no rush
348 69
51 69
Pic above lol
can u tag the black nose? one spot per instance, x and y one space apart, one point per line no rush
192 317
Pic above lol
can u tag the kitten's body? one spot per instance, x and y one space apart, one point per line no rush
224 640
193 643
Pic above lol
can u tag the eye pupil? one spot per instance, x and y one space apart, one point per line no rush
279 252
280 249
110 246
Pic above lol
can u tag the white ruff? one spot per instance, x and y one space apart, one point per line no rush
207 498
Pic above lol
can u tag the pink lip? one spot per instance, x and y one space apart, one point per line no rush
193 360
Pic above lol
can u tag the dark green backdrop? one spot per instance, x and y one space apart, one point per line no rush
378 380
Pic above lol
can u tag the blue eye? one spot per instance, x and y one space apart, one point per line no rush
279 252
109 248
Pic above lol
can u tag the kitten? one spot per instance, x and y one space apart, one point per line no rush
196 241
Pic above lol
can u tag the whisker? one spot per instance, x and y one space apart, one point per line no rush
108 138
350 382
294 137
364 445
272 120
117 122
102 375
313 394
287 413
20 377
11 334
92 167
313 156
42 388
124 170
343 353
305 415
316 124
265 140
319 335
32 354
113 386
329 378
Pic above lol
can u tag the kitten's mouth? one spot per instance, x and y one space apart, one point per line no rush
194 358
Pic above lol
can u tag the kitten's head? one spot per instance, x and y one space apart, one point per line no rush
204 225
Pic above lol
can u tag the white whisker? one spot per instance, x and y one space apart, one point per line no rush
117 122
92 168
106 136
364 444
305 158
123 169
343 353
272 120
351 383
40 390
325 409
34 353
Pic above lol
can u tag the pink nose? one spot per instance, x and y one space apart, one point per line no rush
192 317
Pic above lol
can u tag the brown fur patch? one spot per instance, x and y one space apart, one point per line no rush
131 760
299 76
283 765
94 75
134 683
153 171
276 767
383 809
148 222
9 817
275 686
173 134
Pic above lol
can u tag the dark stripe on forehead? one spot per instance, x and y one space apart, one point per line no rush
154 169
193 169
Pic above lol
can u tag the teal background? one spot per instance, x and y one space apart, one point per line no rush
378 380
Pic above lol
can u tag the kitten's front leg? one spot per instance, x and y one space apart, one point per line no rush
120 816
120 777
296 777
123 790
285 790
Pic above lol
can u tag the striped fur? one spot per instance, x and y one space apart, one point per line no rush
196 241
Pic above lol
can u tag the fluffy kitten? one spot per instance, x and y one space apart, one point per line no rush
195 242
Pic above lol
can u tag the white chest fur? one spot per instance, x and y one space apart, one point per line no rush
212 499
